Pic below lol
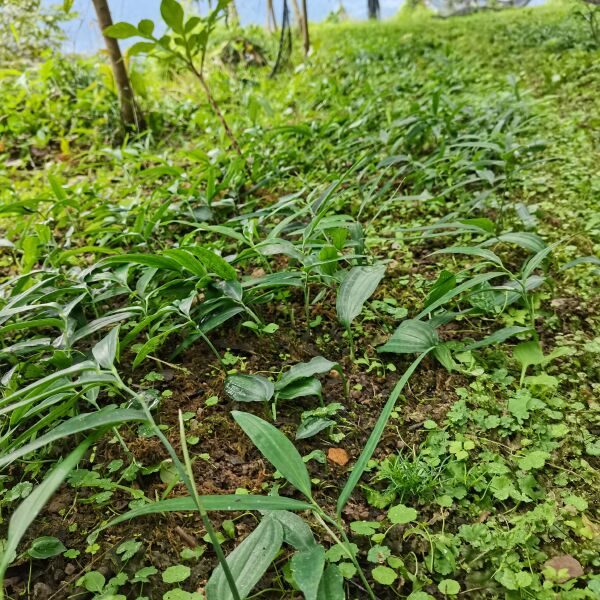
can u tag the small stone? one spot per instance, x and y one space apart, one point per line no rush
565 562
338 456
70 568
41 591
259 272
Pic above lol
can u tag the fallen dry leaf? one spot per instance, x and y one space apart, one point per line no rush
338 456
565 562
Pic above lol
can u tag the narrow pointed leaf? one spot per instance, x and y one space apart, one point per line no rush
524 239
497 337
147 260
592 260
225 502
474 281
213 262
537 259
277 449
29 509
471 251
375 436
82 422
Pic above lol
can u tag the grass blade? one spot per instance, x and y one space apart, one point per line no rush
82 422
375 436
29 509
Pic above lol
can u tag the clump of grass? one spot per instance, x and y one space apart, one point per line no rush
410 476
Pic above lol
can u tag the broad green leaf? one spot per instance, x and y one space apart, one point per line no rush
310 386
375 436
449 587
29 509
315 366
530 353
82 422
46 547
172 13
187 260
401 514
176 573
121 30
146 27
105 351
296 531
248 562
411 337
226 502
311 426
358 285
331 586
527 354
471 251
384 575
93 581
277 449
249 388
307 568
533 460
213 262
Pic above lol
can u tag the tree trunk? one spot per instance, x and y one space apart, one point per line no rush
305 34
373 6
233 17
271 19
130 113
297 14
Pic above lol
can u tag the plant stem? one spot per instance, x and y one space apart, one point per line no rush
187 481
345 544
213 103
204 515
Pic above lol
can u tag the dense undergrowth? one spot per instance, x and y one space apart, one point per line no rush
428 185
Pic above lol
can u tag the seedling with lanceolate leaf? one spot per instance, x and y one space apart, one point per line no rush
299 381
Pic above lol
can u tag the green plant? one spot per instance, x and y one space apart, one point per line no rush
300 380
187 43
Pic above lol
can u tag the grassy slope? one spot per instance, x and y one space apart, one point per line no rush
492 520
